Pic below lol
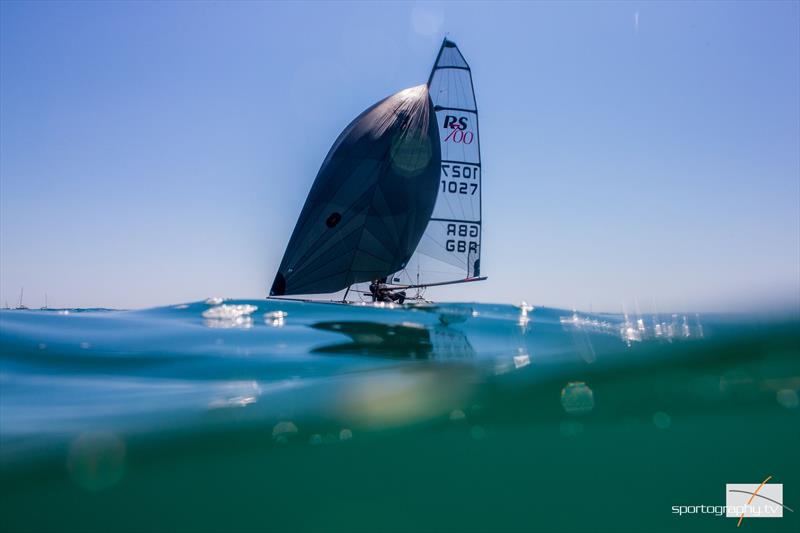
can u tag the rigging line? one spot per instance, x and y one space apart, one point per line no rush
403 271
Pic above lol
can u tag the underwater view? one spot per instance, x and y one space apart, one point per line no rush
389 158
270 415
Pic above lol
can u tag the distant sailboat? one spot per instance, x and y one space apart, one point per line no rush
399 187
20 305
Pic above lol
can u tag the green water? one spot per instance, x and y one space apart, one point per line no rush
287 416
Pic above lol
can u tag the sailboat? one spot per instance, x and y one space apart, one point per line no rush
21 306
398 196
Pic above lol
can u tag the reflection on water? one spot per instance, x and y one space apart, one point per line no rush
631 331
275 319
475 407
229 316
406 341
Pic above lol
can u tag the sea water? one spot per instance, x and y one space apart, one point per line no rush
294 416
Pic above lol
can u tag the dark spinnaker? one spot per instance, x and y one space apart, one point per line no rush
371 200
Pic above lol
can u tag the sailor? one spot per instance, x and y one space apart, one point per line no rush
381 293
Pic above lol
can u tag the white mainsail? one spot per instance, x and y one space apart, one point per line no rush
450 248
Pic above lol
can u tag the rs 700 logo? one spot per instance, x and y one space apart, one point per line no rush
458 133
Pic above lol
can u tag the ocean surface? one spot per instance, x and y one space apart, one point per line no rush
266 415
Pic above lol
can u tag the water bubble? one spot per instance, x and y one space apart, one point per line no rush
457 415
96 460
283 431
315 440
787 398
345 434
181 306
577 398
214 301
85 345
477 432
662 420
42 346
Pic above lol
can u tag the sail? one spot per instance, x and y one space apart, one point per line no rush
451 245
370 202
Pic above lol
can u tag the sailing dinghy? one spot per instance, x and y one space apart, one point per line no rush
398 195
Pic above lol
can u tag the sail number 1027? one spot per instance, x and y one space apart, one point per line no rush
463 173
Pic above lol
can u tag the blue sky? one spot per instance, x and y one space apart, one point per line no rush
152 153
